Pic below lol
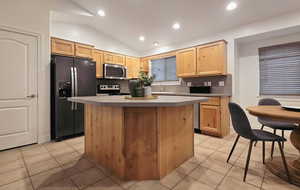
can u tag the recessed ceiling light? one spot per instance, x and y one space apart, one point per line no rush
101 13
176 26
231 6
155 43
142 38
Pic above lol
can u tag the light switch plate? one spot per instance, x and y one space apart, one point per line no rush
209 83
189 83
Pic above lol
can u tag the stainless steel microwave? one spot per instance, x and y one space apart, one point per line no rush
114 71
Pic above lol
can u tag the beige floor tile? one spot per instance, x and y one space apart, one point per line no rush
52 146
216 165
187 167
222 157
124 184
172 179
81 164
81 151
62 151
48 177
12 176
233 184
65 184
74 141
258 167
9 156
23 184
206 176
148 185
238 150
88 177
253 177
33 150
275 183
105 184
9 166
68 157
78 146
37 158
189 183
42 166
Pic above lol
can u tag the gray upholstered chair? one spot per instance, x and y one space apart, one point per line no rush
275 125
242 127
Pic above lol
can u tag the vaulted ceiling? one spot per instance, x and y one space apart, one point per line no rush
126 20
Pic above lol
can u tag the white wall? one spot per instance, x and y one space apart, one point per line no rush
88 35
248 71
33 16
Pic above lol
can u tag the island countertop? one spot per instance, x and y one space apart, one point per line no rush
120 101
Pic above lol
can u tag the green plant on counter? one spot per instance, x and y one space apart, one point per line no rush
146 79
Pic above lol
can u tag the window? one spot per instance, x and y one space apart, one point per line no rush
164 69
280 69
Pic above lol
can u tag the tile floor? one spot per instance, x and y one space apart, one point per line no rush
63 166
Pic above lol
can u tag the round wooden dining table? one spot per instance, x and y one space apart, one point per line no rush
275 165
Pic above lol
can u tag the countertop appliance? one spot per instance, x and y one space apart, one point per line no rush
200 89
70 77
114 71
110 89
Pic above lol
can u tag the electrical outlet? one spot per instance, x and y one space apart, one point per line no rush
209 83
189 83
221 83
205 83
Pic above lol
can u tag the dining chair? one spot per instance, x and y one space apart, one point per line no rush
275 125
243 129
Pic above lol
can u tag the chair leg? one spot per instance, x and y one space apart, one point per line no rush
248 160
282 137
233 147
272 148
284 162
262 127
264 151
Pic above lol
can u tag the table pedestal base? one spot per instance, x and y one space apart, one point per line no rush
275 166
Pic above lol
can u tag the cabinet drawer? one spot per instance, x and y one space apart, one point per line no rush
212 101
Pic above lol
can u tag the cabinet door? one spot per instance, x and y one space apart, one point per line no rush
98 57
119 59
62 47
211 59
85 51
133 67
210 120
144 66
108 58
186 62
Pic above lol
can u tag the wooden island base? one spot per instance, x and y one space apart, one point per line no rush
139 143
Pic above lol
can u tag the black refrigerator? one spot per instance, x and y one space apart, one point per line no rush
70 77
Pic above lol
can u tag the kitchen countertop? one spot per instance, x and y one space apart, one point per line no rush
120 101
189 94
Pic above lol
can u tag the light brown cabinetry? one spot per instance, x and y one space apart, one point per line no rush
62 47
133 67
186 62
98 58
144 65
214 117
211 59
108 57
119 59
82 50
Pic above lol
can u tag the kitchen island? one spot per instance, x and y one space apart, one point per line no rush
139 139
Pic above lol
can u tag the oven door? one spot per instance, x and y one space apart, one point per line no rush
114 71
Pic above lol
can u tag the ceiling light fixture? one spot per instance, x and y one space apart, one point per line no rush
101 13
155 43
142 38
176 26
231 6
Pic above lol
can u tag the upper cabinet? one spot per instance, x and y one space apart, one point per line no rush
119 59
98 58
133 67
62 47
186 62
144 65
108 57
212 59
82 50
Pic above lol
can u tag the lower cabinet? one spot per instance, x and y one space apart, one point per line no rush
214 117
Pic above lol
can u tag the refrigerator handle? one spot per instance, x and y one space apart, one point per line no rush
72 86
76 85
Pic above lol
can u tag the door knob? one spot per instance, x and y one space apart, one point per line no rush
31 96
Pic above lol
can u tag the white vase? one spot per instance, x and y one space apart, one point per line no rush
147 91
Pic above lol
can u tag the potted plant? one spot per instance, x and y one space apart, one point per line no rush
136 88
146 81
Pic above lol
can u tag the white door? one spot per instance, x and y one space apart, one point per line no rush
18 89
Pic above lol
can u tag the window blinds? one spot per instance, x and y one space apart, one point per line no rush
280 69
